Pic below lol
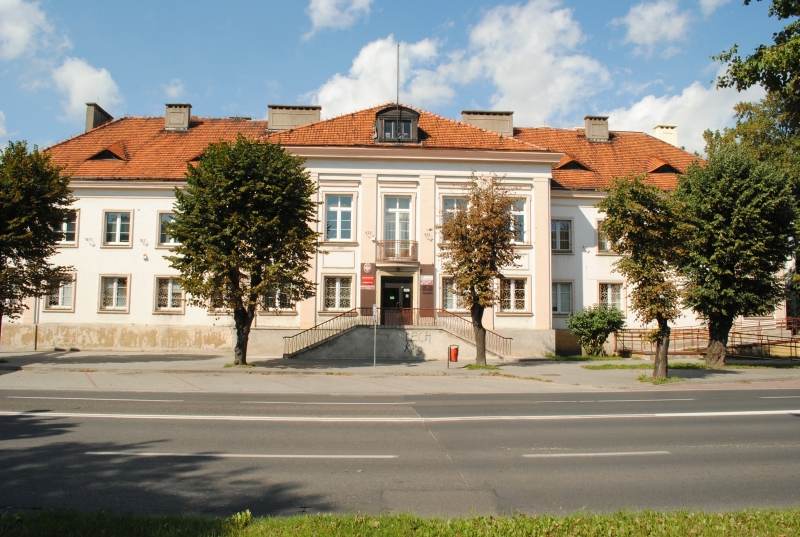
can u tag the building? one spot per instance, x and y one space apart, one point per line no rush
387 176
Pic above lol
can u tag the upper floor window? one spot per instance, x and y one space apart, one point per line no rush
451 205
338 217
397 124
604 244
397 218
69 229
164 238
512 294
561 236
117 228
518 220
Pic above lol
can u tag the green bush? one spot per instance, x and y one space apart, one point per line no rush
593 325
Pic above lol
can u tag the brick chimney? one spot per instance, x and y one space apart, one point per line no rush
96 116
666 133
284 116
491 120
177 117
596 128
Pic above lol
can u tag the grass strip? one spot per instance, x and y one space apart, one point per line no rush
677 365
581 358
663 380
477 367
763 523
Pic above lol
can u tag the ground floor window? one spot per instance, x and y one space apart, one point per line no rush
512 294
451 300
611 295
62 298
114 293
169 294
277 298
337 292
562 298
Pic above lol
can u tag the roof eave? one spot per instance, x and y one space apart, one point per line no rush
418 153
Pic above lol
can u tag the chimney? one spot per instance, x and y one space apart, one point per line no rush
491 120
177 117
96 116
596 128
283 116
666 133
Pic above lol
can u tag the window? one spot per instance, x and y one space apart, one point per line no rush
114 293
164 238
169 295
561 235
611 295
338 217
604 244
397 129
451 300
337 293
451 205
512 294
397 124
69 229
62 298
518 220
277 298
117 228
396 218
562 298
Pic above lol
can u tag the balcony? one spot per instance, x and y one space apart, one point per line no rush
396 251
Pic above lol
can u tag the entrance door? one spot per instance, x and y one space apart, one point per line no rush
397 300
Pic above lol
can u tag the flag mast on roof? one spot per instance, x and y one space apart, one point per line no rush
397 95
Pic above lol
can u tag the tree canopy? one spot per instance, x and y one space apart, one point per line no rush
242 224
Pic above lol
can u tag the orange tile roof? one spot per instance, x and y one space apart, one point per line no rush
436 132
625 153
145 149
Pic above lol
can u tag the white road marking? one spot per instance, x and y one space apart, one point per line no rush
637 400
322 403
233 455
780 397
415 419
595 454
94 399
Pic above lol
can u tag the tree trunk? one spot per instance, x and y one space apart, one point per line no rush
476 312
243 321
718 330
2 312
661 364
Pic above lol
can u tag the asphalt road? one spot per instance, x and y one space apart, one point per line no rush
432 455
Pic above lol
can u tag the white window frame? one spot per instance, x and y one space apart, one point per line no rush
168 309
61 308
556 306
172 242
337 292
74 243
459 301
571 227
275 306
395 212
339 210
512 289
524 213
115 309
602 251
446 212
118 243
600 285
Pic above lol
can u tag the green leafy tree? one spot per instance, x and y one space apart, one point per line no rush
741 214
477 244
643 223
34 201
776 66
592 326
243 227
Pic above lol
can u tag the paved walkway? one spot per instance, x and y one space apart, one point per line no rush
108 371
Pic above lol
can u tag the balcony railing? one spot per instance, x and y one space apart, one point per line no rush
405 251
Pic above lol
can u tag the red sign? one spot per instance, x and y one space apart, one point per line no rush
368 281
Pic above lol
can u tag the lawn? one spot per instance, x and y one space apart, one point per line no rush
762 523
676 365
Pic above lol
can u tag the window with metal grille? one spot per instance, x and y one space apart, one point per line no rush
512 294
62 298
169 294
611 295
337 292
114 293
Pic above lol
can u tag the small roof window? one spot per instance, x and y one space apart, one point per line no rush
397 124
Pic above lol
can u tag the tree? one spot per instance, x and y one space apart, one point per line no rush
243 227
643 223
477 244
740 215
776 67
34 201
592 326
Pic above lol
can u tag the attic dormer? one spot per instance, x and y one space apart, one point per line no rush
397 124
115 151
569 163
656 165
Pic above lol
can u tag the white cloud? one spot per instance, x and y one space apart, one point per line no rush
696 108
335 13
710 6
372 78
80 82
649 24
21 25
174 89
3 131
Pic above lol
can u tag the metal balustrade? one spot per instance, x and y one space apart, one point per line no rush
403 251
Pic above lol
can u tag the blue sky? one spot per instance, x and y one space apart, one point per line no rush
550 61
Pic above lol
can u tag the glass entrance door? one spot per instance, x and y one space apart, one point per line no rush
397 300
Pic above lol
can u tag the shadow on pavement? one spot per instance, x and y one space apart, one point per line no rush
62 474
70 358
301 363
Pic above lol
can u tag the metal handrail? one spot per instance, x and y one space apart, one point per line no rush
396 250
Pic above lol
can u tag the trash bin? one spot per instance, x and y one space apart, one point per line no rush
452 353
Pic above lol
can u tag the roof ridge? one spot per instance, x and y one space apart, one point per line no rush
84 133
326 120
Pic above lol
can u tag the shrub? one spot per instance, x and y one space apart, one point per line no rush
593 325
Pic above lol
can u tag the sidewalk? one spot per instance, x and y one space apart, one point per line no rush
108 371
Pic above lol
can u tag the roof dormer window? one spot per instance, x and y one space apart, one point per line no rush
397 124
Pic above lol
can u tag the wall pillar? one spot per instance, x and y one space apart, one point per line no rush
542 280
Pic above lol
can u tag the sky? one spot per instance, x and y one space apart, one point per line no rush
551 62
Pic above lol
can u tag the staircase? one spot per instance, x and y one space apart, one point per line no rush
450 322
